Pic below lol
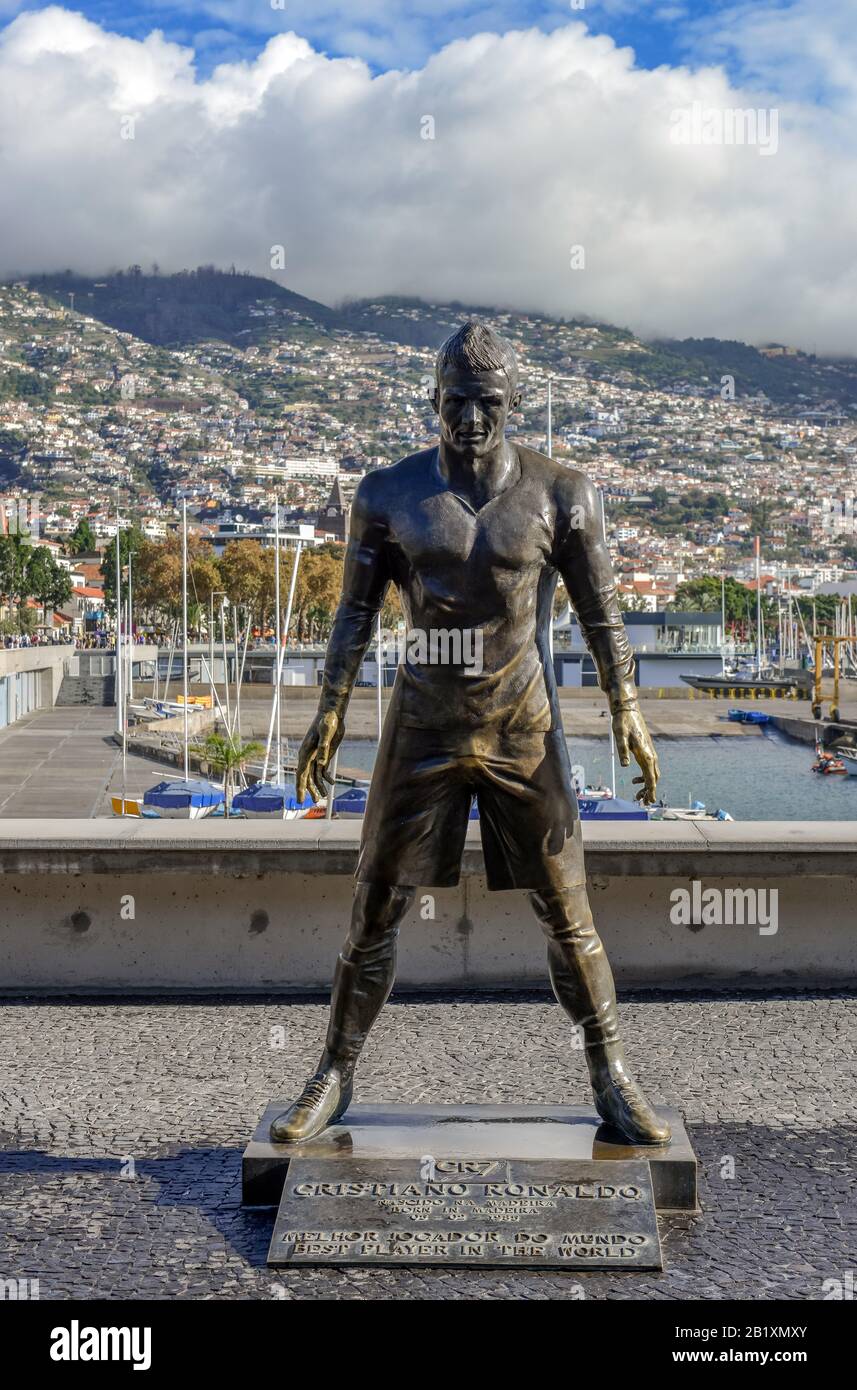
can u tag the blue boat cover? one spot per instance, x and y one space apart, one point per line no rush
353 801
749 716
602 808
610 808
181 794
270 797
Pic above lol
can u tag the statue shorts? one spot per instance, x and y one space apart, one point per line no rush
421 795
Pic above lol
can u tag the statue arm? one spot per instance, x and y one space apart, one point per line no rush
583 560
364 585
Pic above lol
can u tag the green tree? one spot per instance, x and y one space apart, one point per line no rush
632 603
12 444
317 591
45 580
227 755
158 581
247 574
82 539
13 553
704 595
23 620
131 538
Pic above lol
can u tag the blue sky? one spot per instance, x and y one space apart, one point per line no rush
256 139
404 33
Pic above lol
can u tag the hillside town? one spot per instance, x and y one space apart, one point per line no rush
101 430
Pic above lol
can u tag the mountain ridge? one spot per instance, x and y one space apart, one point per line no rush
177 310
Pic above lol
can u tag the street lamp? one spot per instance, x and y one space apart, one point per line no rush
129 685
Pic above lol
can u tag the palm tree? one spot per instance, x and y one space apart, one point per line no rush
227 755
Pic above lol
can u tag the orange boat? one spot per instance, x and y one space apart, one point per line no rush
828 765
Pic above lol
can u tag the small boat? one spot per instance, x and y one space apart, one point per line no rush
848 757
766 684
271 801
695 812
351 805
609 807
185 799
600 805
132 806
828 764
748 716
160 709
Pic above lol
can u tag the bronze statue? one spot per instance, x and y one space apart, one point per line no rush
474 534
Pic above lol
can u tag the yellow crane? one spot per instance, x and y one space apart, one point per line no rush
817 697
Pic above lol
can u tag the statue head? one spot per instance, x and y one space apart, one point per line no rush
476 385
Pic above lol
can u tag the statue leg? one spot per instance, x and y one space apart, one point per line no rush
364 976
583 984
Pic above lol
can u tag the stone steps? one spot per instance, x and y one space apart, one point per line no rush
87 690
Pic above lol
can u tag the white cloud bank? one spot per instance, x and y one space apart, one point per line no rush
542 142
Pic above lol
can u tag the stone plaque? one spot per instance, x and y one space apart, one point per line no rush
559 1214
391 1130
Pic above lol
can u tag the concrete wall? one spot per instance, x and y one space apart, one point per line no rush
159 906
51 662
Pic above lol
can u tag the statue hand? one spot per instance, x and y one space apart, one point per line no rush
632 736
323 737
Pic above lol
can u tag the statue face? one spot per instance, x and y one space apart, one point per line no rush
473 407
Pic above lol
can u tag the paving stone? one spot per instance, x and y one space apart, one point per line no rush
178 1085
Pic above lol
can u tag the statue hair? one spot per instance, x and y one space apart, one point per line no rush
475 347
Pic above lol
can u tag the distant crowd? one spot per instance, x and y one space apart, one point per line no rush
36 639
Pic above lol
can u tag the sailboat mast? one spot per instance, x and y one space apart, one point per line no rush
123 697
758 608
279 630
184 633
120 708
723 624
129 667
278 665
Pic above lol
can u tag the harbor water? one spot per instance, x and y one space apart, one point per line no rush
763 776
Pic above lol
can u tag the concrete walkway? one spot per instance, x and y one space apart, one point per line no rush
62 763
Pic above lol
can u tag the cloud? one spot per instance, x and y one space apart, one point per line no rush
541 142
386 33
807 48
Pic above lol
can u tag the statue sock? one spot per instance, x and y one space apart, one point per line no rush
365 972
582 979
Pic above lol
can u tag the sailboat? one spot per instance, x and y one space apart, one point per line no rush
275 799
271 801
185 798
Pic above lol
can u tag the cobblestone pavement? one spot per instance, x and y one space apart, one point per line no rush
179 1086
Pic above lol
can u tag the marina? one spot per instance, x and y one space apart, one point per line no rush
64 763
